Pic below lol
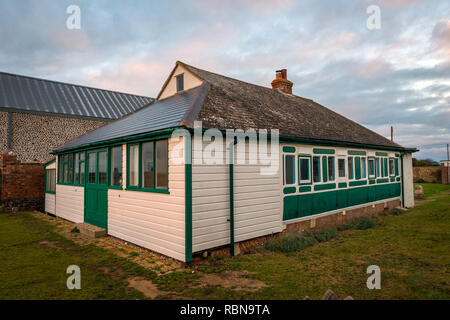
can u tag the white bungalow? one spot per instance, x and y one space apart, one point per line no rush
143 179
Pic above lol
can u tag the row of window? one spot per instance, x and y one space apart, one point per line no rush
316 169
147 166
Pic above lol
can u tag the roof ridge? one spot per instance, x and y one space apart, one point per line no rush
235 79
72 84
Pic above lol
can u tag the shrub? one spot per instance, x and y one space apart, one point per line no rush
420 180
364 223
326 235
291 242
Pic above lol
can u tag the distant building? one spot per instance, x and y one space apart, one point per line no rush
445 163
36 116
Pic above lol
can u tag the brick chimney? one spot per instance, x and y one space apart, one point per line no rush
281 82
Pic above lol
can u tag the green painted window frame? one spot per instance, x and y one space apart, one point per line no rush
363 167
81 163
371 176
396 167
63 162
284 169
345 167
110 160
356 153
319 171
391 174
357 168
385 167
377 167
333 169
351 168
324 169
305 182
139 186
323 151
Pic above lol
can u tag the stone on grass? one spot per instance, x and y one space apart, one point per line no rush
418 192
330 295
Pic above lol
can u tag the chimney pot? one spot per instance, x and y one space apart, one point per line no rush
281 82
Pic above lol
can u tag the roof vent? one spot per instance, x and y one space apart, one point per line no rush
281 82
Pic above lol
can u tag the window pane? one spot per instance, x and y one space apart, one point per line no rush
52 180
147 165
341 165
304 169
76 178
378 167
330 168
289 171
180 82
134 164
82 170
70 168
116 166
161 164
350 167
371 167
363 167
102 165
91 169
316 169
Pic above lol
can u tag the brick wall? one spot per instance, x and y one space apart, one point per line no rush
430 174
21 184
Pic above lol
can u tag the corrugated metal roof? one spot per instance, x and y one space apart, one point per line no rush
163 114
29 94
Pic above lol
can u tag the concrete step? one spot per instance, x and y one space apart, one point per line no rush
91 231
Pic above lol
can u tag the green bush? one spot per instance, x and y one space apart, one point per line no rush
364 223
420 180
357 223
326 235
291 242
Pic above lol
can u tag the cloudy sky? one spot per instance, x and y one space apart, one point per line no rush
397 75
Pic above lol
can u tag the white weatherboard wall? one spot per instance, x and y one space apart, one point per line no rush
50 203
70 203
154 221
408 181
257 209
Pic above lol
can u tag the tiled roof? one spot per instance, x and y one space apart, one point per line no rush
232 103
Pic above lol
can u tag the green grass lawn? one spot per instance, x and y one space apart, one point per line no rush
35 259
432 189
411 249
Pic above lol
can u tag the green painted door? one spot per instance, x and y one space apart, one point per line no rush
96 201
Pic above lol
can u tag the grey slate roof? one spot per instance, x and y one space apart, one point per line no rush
163 114
27 94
